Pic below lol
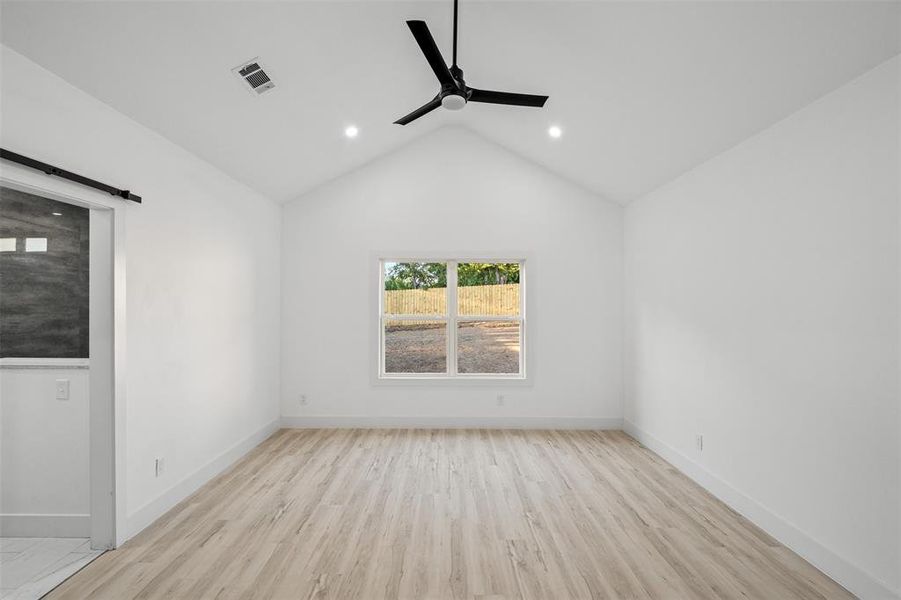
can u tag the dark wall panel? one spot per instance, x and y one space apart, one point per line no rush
43 292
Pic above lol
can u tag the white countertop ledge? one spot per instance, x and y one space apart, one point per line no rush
45 363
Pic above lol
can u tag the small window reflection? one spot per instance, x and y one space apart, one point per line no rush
7 244
35 244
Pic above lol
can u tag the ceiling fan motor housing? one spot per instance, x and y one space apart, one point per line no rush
453 100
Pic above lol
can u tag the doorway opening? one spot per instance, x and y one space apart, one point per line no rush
57 386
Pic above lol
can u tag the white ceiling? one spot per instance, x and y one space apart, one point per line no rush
643 90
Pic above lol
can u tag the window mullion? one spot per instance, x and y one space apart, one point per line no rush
414 317
452 318
381 319
522 319
470 318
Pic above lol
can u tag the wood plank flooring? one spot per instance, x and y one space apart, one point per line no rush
375 514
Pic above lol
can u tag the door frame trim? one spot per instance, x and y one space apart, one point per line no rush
108 407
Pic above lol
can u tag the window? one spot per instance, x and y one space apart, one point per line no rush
451 319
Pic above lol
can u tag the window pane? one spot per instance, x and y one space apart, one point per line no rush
488 289
488 347
415 288
415 347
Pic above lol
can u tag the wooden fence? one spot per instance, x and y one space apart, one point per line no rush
472 300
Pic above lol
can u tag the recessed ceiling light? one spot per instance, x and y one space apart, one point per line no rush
57 214
351 131
554 131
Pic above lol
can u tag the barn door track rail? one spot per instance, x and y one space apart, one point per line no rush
51 170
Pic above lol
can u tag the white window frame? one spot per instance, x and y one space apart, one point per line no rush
451 319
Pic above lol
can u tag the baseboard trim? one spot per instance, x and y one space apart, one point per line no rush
50 525
153 510
853 578
366 422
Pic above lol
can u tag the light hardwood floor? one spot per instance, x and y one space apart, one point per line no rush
450 514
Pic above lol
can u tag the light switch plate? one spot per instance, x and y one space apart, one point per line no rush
62 389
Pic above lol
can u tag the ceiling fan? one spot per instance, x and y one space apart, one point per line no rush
454 92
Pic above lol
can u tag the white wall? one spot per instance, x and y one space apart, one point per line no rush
452 191
44 462
763 312
202 283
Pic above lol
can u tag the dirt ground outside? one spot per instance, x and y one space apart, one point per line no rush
482 347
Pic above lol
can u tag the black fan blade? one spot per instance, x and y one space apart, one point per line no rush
490 97
422 110
427 44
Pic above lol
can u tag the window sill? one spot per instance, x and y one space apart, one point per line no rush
474 381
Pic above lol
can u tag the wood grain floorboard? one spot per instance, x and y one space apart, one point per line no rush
374 514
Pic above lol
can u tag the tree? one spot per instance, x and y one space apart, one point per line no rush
487 273
422 276
415 276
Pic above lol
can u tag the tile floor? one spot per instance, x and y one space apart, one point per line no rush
31 567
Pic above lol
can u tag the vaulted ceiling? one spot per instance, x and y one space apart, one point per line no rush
642 90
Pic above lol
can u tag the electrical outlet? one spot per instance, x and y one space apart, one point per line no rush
699 442
304 400
500 399
62 389
158 467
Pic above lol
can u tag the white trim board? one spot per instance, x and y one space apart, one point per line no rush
378 422
45 525
853 578
156 508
